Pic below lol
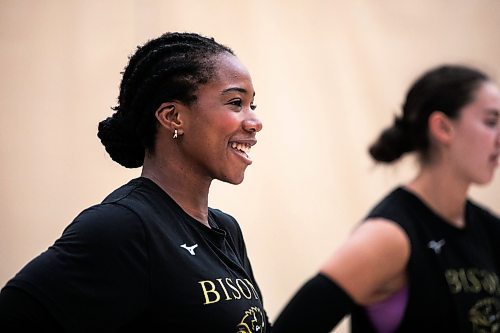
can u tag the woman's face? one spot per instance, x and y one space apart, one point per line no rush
219 128
476 145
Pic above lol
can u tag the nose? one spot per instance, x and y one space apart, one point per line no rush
252 124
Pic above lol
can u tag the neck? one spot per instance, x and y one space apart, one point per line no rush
189 193
442 192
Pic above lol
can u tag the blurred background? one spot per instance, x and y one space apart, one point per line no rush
329 76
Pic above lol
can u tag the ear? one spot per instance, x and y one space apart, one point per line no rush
169 116
440 127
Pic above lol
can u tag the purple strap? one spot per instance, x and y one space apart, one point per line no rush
387 314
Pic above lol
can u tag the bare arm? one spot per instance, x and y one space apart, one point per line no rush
371 265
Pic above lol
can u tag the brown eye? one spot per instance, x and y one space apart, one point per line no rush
236 102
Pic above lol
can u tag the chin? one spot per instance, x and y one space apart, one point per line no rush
236 181
233 179
484 180
233 175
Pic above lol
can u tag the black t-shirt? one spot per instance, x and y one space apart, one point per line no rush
453 272
138 262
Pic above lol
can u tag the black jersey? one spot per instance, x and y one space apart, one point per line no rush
138 262
453 273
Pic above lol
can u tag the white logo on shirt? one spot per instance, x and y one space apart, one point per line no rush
190 249
436 246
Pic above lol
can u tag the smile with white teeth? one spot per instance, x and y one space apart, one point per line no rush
243 147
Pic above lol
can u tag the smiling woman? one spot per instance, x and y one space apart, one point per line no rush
223 119
153 256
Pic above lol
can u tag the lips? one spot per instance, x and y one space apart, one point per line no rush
242 148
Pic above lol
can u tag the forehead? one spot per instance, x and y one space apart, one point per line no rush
487 95
486 100
231 73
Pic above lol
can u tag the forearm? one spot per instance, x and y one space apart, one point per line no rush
318 306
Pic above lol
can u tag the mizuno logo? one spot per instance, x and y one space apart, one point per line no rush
436 246
190 249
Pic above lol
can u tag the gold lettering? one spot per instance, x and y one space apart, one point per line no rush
463 280
453 281
497 285
473 279
207 291
489 282
224 288
241 289
229 283
253 289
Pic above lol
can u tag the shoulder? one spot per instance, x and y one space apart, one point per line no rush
138 195
125 190
478 211
480 215
394 204
377 239
107 224
372 262
381 231
120 214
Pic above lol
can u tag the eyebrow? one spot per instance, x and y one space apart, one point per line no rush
241 90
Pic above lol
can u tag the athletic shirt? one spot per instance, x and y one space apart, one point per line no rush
137 262
453 272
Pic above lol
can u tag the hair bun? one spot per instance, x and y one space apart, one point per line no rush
120 142
392 143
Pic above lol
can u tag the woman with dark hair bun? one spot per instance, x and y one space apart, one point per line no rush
153 256
426 258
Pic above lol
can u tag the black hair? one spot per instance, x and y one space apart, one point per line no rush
447 89
170 67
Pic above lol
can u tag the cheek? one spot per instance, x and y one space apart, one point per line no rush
228 123
477 137
218 131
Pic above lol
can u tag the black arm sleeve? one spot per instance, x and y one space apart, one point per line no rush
19 312
317 307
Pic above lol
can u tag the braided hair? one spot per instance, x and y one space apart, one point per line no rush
170 67
447 89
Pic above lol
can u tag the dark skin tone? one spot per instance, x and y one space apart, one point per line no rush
215 134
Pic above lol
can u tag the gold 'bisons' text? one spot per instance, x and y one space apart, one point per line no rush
472 280
227 289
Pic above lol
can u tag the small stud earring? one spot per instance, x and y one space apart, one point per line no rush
175 134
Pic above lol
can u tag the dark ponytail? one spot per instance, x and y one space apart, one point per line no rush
446 89
392 143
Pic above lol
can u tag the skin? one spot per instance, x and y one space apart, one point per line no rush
222 115
371 264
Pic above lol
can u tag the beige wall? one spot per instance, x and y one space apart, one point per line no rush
328 75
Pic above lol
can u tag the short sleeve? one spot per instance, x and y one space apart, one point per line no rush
95 276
